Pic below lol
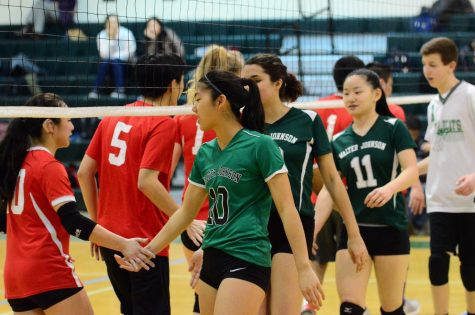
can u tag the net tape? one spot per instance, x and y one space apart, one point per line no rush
105 111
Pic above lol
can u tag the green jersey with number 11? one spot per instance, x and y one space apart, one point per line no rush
369 162
239 197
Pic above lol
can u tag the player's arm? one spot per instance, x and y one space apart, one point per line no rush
311 288
177 152
87 181
423 165
317 183
84 228
338 193
323 209
154 190
380 196
179 221
417 201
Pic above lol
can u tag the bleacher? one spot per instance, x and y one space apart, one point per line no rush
306 47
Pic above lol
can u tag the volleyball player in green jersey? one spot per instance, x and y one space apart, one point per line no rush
376 155
302 139
240 170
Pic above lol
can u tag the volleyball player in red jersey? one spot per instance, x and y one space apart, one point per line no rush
41 213
190 137
132 156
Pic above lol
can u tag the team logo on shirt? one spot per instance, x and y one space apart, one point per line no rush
449 130
284 137
222 172
365 145
448 127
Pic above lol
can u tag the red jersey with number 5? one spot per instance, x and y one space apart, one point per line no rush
122 146
37 258
191 137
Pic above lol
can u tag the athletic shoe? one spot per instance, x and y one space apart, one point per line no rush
411 307
308 310
93 95
117 95
366 312
463 313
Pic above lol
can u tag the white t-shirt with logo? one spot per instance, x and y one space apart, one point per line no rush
451 133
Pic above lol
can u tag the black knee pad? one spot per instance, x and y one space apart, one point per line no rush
467 273
347 308
398 311
196 306
439 268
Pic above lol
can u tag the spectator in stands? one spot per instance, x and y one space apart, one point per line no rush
116 45
23 73
43 11
161 39
442 11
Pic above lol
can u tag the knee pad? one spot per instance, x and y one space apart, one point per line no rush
439 268
467 273
350 308
398 311
196 306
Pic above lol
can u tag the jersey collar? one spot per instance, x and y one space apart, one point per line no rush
444 99
39 148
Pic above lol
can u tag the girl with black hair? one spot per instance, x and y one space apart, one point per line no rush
41 213
241 171
376 156
160 39
302 139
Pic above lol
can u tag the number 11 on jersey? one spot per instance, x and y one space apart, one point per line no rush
360 181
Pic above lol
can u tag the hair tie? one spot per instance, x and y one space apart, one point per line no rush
212 85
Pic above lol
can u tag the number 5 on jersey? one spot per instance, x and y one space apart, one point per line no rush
119 159
219 211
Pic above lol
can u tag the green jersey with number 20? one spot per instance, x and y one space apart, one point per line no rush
239 197
369 162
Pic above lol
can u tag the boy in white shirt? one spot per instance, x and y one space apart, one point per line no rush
450 203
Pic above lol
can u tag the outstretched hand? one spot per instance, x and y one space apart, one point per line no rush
311 287
358 252
196 231
135 256
195 267
378 197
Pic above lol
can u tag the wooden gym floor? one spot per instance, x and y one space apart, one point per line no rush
104 302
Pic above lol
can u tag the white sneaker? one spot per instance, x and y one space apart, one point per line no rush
307 310
411 307
366 312
463 313
116 94
93 94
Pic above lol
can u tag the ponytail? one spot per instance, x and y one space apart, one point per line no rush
292 89
230 85
13 150
252 116
382 107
